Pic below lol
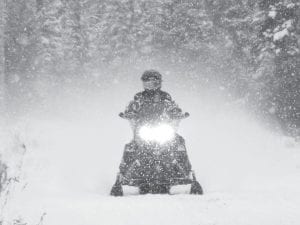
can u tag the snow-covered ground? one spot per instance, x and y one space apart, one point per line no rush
249 175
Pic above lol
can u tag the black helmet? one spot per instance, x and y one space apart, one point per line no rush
151 74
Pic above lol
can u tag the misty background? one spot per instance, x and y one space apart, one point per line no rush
246 51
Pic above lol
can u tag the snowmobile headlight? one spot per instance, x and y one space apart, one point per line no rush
161 133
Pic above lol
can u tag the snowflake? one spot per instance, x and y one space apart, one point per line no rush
272 14
280 34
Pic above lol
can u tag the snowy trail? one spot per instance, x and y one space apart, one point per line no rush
67 174
212 208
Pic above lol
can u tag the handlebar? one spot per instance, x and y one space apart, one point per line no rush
185 115
124 116
127 116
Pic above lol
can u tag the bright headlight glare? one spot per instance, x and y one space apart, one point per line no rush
161 133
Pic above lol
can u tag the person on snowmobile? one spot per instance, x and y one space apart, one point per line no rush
151 96
156 158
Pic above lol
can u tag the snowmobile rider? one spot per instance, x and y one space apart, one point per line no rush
152 106
152 101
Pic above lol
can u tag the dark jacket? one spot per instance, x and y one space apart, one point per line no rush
151 104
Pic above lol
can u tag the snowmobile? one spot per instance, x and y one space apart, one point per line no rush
156 159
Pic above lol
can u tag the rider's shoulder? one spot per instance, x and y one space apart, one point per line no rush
138 95
166 96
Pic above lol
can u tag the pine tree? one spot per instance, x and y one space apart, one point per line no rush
20 43
20 47
50 55
185 29
279 37
63 37
235 25
2 56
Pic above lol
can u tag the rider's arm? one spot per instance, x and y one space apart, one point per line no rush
133 107
173 110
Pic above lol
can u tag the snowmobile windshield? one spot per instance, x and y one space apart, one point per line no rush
160 133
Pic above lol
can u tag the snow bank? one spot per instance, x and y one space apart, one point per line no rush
250 176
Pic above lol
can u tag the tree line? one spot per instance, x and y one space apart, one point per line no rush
253 45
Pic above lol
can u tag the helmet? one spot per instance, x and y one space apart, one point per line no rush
151 75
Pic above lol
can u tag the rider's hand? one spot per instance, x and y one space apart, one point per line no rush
128 115
121 114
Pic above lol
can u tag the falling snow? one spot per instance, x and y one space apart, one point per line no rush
68 68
